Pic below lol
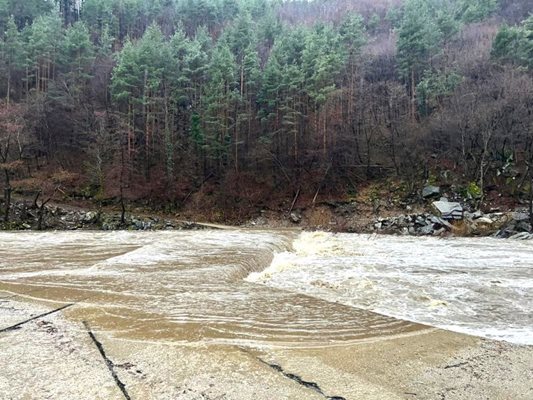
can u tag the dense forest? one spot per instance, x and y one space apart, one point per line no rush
235 102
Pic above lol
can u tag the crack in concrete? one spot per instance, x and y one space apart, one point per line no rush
310 385
18 325
109 363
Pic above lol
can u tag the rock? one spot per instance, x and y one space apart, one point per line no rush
420 220
523 226
90 217
484 220
521 216
430 191
295 217
440 223
476 214
439 232
448 210
426 230
522 236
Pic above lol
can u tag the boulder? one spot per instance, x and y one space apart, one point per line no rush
522 236
448 209
295 217
523 226
90 217
521 216
484 220
426 230
477 214
430 191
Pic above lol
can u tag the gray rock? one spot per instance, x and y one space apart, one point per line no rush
522 236
90 217
430 191
476 214
523 226
439 232
295 218
521 216
448 210
420 220
440 222
484 220
426 230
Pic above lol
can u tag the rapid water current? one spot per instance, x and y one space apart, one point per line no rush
275 287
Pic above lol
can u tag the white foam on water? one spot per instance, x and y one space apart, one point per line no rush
475 286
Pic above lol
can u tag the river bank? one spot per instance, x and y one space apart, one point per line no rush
56 357
352 217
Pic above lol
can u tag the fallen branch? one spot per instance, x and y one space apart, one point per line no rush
294 200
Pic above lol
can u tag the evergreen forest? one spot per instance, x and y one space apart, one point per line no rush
238 103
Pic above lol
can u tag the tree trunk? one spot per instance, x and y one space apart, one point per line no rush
531 201
122 210
8 87
40 219
7 202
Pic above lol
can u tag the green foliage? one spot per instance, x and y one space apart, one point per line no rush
202 84
77 51
473 191
353 33
515 44
418 37
126 80
506 44
23 12
476 10
12 51
433 88
322 60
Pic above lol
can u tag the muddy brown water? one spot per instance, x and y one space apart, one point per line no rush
273 287
179 286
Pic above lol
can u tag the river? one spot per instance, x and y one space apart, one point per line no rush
276 288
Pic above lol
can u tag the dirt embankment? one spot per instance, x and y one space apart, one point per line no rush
371 211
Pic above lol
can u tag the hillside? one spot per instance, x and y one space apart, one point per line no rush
226 107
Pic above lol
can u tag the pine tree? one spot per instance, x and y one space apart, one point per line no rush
78 53
526 44
24 12
12 55
45 39
99 16
322 60
126 84
507 43
417 38
220 97
515 44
